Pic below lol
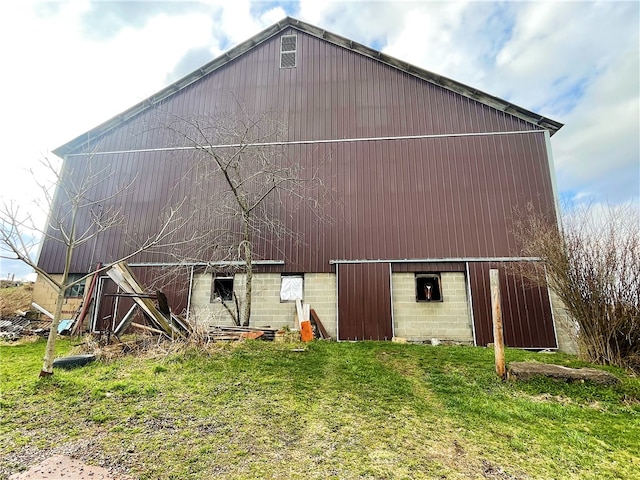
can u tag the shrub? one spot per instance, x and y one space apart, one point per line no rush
593 265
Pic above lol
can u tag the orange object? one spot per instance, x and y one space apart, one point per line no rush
252 335
306 333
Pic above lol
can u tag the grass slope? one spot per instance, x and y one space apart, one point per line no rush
15 298
336 410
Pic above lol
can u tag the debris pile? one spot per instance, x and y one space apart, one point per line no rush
12 328
163 320
232 332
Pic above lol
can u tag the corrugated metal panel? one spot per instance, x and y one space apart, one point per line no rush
526 310
429 198
332 93
424 198
364 302
428 267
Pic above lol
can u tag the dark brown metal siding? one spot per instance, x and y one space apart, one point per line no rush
423 198
404 199
173 282
364 302
108 306
332 93
526 309
429 267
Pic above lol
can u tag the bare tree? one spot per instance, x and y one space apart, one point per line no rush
241 175
593 265
75 217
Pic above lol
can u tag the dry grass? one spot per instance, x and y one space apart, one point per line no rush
15 298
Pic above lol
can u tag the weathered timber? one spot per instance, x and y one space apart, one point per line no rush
145 327
122 326
42 310
528 370
234 332
125 279
251 335
498 335
315 320
163 304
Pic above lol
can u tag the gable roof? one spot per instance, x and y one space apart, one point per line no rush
444 82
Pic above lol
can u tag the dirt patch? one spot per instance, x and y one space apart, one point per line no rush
80 460
62 466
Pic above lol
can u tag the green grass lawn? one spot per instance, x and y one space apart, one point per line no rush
336 410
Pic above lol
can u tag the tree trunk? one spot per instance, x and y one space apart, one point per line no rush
248 258
50 351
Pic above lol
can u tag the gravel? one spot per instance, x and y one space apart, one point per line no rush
78 460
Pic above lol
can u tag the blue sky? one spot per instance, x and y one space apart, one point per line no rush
73 65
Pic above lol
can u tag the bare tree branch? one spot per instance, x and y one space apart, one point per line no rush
76 196
593 265
240 165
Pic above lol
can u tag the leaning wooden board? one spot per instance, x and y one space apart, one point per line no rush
306 332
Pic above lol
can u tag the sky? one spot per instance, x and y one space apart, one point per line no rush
69 66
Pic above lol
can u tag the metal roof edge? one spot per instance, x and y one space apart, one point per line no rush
173 88
452 85
490 100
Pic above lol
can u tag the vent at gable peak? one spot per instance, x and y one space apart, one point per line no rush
288 51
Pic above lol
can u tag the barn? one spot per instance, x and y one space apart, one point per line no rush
425 175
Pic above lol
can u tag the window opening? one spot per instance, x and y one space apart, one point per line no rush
291 287
76 290
222 289
428 288
288 50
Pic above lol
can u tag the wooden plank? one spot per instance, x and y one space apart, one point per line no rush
86 303
125 279
235 328
42 310
315 319
300 312
145 303
163 304
180 322
126 321
145 327
251 335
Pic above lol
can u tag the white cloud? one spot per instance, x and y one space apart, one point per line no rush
557 47
576 62
61 84
365 22
599 147
236 22
445 38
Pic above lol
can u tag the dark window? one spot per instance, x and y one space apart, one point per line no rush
76 290
288 47
222 289
428 287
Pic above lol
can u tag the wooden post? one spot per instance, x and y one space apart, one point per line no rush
496 310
